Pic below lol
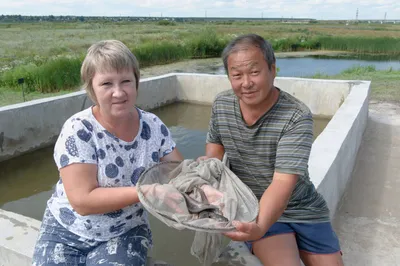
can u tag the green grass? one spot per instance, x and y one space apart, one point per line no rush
361 45
385 84
22 43
8 96
207 44
159 53
63 73
48 54
52 76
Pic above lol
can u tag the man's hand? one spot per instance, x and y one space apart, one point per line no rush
246 231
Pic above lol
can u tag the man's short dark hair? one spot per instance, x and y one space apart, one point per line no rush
240 43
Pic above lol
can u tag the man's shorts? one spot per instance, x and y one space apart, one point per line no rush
315 238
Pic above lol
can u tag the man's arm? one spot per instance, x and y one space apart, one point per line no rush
214 147
275 199
272 204
214 150
291 162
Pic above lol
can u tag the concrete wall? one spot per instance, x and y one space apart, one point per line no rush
334 152
18 235
32 125
157 91
28 126
323 97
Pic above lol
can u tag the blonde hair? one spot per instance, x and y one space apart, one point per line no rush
108 55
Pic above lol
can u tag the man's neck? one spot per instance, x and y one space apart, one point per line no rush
251 114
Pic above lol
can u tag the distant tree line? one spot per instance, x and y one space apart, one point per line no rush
52 18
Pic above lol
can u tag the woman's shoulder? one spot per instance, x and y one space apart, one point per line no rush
149 117
153 122
81 119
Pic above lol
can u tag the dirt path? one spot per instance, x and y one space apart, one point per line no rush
368 220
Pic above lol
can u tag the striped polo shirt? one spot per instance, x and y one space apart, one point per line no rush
279 141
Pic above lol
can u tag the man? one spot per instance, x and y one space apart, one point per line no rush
267 135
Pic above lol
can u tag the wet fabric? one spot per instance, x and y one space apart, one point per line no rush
58 246
162 190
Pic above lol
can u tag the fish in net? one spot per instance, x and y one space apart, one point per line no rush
204 196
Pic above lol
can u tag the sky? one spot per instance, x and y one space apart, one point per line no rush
316 9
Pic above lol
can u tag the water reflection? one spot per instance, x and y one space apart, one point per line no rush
309 66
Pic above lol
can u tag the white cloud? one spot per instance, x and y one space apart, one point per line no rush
326 9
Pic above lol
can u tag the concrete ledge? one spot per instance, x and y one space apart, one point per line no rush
323 97
18 236
157 91
334 152
36 124
32 125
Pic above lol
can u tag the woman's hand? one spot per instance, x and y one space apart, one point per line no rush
165 195
213 195
202 158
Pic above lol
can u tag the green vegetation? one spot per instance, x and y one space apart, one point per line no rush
207 44
15 96
52 76
48 54
384 83
162 53
166 23
358 45
361 45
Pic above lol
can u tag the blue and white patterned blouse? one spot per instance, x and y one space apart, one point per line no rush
120 163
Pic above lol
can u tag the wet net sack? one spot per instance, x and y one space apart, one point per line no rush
204 196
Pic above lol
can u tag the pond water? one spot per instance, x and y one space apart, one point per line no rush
309 66
28 181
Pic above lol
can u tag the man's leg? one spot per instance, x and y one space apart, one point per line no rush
277 247
318 244
279 250
310 259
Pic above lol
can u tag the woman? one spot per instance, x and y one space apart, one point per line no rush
94 216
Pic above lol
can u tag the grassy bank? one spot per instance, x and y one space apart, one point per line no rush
8 96
48 54
63 73
385 84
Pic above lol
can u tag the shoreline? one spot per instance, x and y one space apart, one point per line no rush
198 65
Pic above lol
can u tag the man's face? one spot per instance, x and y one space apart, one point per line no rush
250 77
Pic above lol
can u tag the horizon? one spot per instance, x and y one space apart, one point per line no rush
308 9
199 17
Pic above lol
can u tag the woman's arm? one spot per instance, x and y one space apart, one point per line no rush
85 195
175 155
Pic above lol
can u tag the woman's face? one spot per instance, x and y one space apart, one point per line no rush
115 92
